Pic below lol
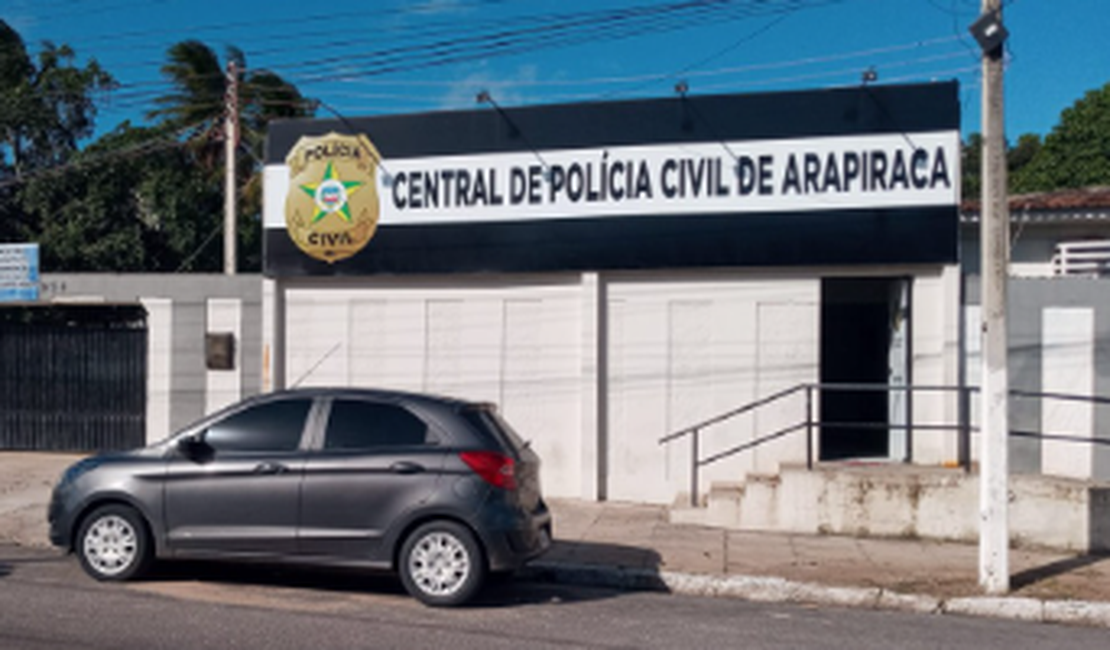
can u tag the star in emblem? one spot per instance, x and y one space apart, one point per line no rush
331 195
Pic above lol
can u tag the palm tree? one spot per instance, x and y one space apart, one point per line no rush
195 107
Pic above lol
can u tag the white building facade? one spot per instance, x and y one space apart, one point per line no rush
612 273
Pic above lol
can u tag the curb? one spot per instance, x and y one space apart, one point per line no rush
779 590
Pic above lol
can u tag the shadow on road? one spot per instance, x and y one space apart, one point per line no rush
9 563
530 586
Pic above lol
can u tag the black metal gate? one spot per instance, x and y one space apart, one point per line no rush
73 378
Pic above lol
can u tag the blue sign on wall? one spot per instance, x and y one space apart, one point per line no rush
19 272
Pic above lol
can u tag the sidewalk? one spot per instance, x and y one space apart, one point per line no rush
635 547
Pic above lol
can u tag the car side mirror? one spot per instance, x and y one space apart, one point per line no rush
194 447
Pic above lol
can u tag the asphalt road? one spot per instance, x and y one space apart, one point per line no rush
46 602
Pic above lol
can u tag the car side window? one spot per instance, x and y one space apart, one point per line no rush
359 424
273 426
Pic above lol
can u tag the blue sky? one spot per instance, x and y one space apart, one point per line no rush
365 58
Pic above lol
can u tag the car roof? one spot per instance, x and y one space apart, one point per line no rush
368 393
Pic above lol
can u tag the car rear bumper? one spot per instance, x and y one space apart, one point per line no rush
509 548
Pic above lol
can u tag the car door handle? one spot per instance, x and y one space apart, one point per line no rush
406 467
269 468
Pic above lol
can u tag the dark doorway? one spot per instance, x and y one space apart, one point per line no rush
73 377
860 339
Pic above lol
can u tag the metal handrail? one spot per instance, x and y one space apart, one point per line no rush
963 427
733 413
751 445
694 431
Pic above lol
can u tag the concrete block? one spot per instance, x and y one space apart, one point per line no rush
760 589
725 505
909 603
760 507
839 596
689 516
1020 609
1074 612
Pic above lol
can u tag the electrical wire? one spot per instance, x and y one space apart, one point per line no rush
161 142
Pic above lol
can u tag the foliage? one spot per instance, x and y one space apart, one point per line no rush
140 198
46 107
130 202
1077 151
971 167
1018 158
196 104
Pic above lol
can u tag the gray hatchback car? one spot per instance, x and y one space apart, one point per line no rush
440 490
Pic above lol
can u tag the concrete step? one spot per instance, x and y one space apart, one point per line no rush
906 501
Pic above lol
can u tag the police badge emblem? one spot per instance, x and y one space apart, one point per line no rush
332 209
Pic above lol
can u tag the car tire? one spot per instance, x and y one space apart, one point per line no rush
113 544
441 564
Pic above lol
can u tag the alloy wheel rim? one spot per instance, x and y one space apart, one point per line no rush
111 545
439 564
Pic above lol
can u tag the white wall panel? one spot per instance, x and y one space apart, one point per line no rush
368 354
973 367
1067 365
225 387
159 342
681 352
317 339
513 343
388 343
639 469
787 355
936 344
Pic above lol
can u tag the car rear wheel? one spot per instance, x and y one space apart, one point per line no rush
113 544
441 564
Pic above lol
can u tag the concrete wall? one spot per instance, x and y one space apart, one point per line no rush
595 368
929 503
936 362
181 309
1033 244
1059 340
513 340
684 348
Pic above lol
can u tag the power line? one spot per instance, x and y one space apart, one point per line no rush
163 141
564 30
744 39
545 30
633 79
550 30
260 22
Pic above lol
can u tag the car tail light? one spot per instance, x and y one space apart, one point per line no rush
495 468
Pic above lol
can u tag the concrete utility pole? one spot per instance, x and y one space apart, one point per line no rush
231 141
994 549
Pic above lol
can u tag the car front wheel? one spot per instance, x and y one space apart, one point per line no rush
113 544
441 564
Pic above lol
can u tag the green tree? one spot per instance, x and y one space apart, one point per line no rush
1018 157
971 167
46 109
128 202
196 105
1077 151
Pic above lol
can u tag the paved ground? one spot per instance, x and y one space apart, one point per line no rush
634 546
639 537
47 603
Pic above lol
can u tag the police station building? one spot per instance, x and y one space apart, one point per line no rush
609 273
